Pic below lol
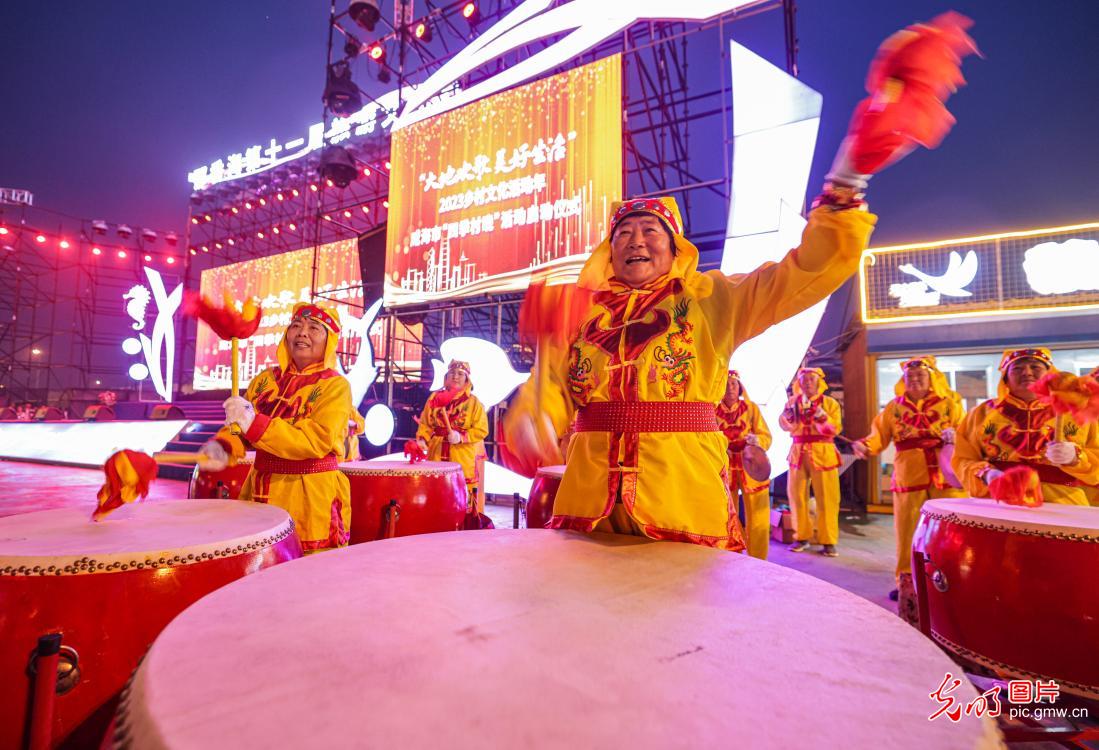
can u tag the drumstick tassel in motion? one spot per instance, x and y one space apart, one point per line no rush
1019 485
1065 393
129 474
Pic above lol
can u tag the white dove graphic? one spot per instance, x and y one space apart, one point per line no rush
492 375
959 274
363 372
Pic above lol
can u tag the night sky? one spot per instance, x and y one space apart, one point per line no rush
107 106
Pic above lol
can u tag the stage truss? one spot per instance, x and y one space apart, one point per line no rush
676 121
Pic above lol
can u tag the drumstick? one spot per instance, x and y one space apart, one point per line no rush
178 457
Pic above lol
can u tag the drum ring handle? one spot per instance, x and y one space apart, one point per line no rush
68 668
938 580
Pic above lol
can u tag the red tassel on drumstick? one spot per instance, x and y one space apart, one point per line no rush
1019 485
228 323
913 74
129 474
1065 393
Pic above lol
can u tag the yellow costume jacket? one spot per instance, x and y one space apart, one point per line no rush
466 415
814 445
671 341
1006 431
916 429
300 433
736 423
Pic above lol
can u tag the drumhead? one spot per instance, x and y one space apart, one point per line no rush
1051 518
544 639
555 472
154 533
400 468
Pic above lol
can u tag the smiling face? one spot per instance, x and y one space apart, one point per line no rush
641 250
1021 374
306 339
917 382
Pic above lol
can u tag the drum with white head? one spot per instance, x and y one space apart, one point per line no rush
398 498
109 587
1012 589
221 485
543 490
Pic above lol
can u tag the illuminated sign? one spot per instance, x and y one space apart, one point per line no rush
159 350
84 443
481 197
1011 273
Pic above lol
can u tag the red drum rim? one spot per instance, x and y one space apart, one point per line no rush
1076 523
121 541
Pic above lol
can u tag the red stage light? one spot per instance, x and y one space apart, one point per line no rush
280 196
366 209
205 249
64 244
170 260
40 238
207 217
347 214
295 192
329 183
422 31
235 210
275 230
313 187
217 245
293 226
96 251
388 167
263 201
193 251
385 204
327 217
377 53
121 253
248 205
260 235
194 220
231 241
3 230
148 258
470 13
366 172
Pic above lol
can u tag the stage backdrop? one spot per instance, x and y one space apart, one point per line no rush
279 282
519 182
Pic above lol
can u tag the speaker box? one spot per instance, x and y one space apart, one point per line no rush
372 263
48 414
166 411
98 413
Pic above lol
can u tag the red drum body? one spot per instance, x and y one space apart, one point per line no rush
397 498
1012 589
542 492
221 485
109 588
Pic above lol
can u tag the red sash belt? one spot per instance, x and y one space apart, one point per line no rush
647 416
802 439
930 447
271 464
932 443
1046 472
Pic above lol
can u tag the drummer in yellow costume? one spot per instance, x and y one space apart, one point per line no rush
813 420
639 378
453 427
297 417
742 424
919 421
1016 429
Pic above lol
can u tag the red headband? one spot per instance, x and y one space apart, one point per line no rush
312 311
647 206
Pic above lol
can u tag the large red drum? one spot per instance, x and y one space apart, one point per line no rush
1012 589
109 588
542 492
221 485
397 498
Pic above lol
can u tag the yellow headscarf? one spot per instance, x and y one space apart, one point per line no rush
734 375
822 385
940 386
456 364
328 317
598 271
1039 353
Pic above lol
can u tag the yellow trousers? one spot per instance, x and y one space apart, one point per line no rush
826 489
757 515
906 514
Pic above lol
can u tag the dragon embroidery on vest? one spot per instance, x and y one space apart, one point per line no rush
676 354
580 378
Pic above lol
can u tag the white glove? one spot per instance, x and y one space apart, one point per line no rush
453 437
991 475
238 410
843 172
216 456
1061 453
859 449
820 414
948 435
751 439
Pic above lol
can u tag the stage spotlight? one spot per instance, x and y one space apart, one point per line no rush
40 239
148 235
422 31
218 246
377 53
193 251
365 13
347 214
248 205
341 95
263 201
337 166
99 226
327 217
275 230
471 13
171 238
366 209
366 173
260 235
121 253
205 249
313 186
388 166
292 227
231 242
125 232
3 230
148 259
280 196
169 260
96 251
295 192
